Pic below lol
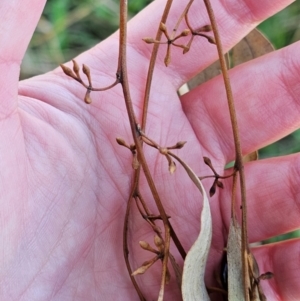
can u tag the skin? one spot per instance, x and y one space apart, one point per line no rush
65 181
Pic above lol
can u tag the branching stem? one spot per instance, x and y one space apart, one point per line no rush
123 76
238 150
135 186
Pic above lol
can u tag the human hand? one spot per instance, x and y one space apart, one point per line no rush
65 181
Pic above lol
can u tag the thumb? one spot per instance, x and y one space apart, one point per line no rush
18 19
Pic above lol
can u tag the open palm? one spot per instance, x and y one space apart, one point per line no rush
65 181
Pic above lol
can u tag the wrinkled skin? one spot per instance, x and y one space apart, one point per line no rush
65 181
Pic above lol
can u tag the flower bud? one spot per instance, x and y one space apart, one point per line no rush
75 67
180 144
67 71
172 167
87 97
148 40
144 245
185 32
159 243
135 162
207 161
162 27
211 40
205 28
121 141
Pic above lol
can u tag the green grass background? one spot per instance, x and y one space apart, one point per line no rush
70 27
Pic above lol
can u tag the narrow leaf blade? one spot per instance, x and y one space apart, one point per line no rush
193 286
254 45
234 261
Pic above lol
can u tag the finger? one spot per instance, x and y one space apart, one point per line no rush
266 93
282 259
18 21
273 197
235 19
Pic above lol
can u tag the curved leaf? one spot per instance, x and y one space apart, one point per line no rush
235 265
193 286
253 45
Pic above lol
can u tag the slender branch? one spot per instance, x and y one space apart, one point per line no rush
135 186
126 249
182 16
122 75
238 150
134 189
152 64
105 88
219 177
146 104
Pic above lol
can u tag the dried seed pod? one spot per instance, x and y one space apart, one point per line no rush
87 97
163 150
212 190
211 40
172 167
159 243
75 67
205 28
188 45
219 184
148 40
87 72
135 162
67 71
180 144
132 147
207 161
186 49
162 27
185 32
141 270
121 141
145 266
266 276
144 245
167 59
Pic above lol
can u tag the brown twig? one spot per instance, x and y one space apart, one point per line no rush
238 150
182 16
126 250
122 75
135 187
152 65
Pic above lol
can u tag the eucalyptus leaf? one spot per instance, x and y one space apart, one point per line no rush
193 286
251 157
254 45
207 74
234 262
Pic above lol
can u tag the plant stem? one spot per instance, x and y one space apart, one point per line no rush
238 150
135 186
126 250
146 105
123 76
182 16
152 64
